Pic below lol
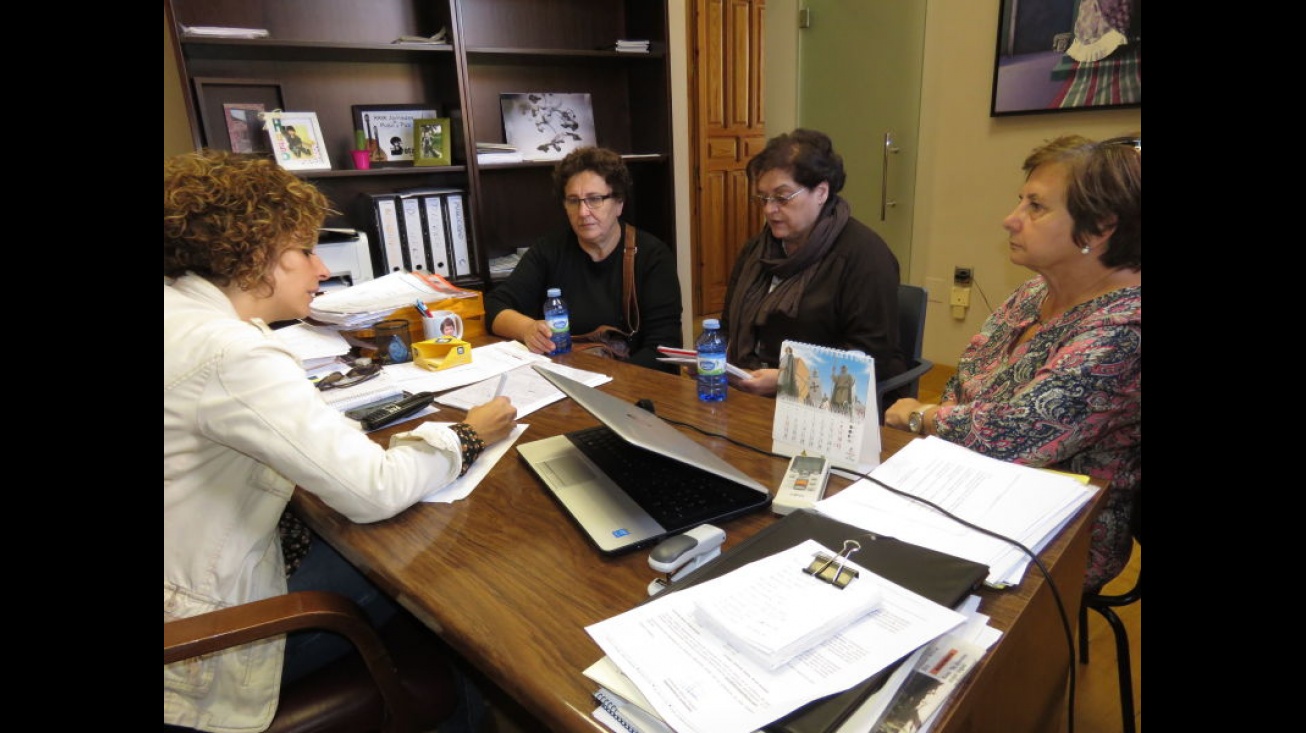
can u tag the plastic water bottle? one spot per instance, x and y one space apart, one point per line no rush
711 347
555 312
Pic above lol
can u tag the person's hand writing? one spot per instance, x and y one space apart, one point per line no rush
494 420
763 382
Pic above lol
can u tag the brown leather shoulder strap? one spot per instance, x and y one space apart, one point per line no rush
629 302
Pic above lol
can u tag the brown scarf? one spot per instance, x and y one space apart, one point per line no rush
753 304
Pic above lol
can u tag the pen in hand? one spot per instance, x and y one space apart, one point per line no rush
503 382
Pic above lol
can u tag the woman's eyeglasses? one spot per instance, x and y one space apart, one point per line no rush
341 380
593 202
780 201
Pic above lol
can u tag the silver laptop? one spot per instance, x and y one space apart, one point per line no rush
620 507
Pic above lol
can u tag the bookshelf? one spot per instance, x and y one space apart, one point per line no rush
328 55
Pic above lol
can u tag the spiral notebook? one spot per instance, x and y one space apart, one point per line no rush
826 405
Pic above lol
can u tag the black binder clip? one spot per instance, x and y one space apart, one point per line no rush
824 567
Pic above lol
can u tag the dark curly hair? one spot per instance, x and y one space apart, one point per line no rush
807 155
600 161
1104 186
228 217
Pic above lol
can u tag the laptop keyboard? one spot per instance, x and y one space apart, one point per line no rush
678 496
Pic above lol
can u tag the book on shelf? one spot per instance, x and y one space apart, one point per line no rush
631 46
826 405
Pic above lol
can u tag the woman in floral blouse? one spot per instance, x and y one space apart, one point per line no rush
1054 377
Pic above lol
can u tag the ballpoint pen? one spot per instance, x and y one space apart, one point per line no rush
422 309
503 382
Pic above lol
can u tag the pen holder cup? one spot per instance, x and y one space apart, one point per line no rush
393 341
441 353
362 159
442 323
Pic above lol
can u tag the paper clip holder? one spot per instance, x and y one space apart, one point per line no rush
832 569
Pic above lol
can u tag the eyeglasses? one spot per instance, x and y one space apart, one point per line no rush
778 200
341 380
593 202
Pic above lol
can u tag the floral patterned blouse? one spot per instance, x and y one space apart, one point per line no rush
1070 398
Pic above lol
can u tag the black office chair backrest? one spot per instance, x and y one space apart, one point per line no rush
912 301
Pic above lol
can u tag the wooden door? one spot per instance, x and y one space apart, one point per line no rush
727 128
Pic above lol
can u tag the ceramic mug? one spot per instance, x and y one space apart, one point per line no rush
442 323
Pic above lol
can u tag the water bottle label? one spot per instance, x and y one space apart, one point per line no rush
711 365
559 324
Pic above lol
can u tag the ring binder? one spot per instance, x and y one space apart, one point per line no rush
823 566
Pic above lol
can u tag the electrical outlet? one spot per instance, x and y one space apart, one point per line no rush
960 297
962 276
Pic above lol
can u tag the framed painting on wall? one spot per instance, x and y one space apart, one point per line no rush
1066 55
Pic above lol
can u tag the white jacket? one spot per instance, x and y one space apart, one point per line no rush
242 426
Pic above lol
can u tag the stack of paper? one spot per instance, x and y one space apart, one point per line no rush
523 385
213 31
698 682
497 153
316 347
772 614
629 46
1025 504
367 302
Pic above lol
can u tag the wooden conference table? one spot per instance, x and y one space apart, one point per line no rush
508 581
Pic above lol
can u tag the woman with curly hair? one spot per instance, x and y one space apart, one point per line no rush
243 426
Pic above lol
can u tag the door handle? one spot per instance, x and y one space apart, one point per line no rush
889 149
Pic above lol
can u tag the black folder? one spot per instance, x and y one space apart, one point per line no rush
940 577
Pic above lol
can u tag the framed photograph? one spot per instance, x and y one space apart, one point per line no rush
228 111
1066 55
547 126
389 130
433 136
297 142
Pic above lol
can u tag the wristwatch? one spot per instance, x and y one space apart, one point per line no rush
916 421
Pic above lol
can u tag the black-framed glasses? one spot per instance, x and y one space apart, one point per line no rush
780 201
341 380
594 203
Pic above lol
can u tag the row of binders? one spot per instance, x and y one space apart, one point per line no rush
422 230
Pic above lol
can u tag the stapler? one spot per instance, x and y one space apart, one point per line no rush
680 554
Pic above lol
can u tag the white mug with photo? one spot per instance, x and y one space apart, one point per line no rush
442 323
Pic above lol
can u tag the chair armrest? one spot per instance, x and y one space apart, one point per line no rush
229 627
917 371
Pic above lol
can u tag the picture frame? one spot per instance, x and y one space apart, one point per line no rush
218 99
297 142
432 136
547 125
1048 59
389 130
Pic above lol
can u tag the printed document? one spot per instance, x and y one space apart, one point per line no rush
698 683
1026 504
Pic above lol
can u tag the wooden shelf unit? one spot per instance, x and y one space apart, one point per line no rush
328 55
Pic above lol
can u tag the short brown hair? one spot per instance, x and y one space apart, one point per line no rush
806 155
1104 187
227 217
600 161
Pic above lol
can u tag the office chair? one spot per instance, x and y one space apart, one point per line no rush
397 680
1105 604
912 302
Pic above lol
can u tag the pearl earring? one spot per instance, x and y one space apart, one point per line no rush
1085 250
